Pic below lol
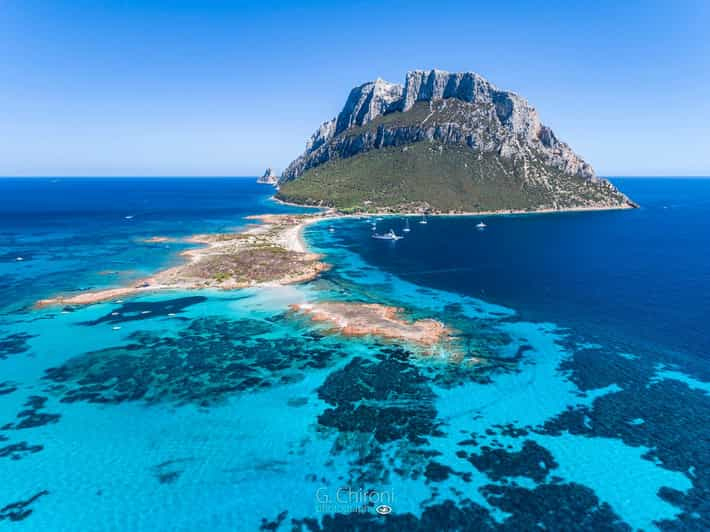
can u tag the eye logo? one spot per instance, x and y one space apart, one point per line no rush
383 509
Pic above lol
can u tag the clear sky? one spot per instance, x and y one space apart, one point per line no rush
206 87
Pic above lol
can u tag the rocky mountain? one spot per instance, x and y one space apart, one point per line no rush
442 142
269 178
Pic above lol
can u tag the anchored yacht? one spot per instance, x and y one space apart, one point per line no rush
390 235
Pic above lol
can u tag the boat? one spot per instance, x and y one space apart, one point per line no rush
19 259
331 229
481 225
390 235
423 220
129 217
406 229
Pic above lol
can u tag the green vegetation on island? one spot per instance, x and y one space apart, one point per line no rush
439 178
442 142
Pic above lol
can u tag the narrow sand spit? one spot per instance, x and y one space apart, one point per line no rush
270 252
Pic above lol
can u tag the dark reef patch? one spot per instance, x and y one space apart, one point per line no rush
14 344
169 471
19 511
553 507
7 387
590 369
32 416
388 398
436 472
382 410
211 358
274 524
673 428
532 461
140 310
17 451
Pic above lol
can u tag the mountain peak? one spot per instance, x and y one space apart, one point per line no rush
450 109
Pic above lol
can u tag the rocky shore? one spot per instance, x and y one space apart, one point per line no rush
364 319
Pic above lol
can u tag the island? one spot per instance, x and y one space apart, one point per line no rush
269 177
442 143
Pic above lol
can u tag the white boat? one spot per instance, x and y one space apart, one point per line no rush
19 259
390 235
423 220
331 229
129 217
406 229
481 225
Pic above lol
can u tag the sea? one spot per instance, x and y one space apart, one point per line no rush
575 394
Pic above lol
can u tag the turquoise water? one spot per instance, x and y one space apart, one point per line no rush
223 411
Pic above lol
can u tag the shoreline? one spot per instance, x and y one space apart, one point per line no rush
272 252
284 233
499 212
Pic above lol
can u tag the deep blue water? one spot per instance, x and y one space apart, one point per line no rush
573 395
642 275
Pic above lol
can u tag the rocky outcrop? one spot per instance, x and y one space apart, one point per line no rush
494 121
367 102
269 178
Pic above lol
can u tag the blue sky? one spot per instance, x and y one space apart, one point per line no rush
208 87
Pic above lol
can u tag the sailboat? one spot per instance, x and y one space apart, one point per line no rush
390 235
406 229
